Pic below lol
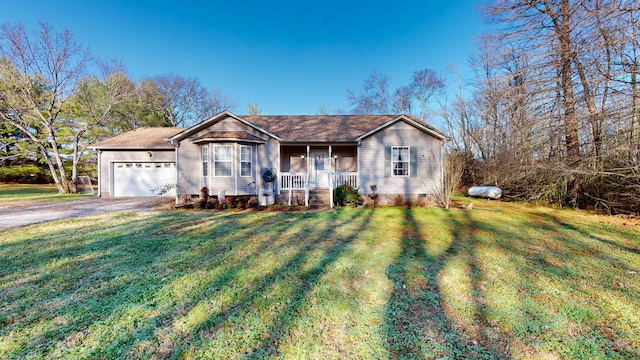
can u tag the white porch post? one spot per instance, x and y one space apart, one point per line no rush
329 175
306 182
358 169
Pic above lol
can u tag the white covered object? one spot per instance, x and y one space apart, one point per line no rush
491 192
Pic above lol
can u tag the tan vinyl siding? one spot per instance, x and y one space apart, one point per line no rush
231 124
242 182
263 156
108 157
269 154
189 168
374 167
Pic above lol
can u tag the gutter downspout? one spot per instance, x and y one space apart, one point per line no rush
177 148
99 172
442 150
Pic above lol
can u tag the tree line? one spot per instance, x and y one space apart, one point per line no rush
56 100
554 115
553 112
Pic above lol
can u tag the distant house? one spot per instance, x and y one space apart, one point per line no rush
389 155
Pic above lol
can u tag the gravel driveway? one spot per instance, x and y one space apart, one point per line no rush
21 214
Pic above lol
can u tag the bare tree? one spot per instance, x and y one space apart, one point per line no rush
557 95
401 100
253 109
373 98
424 84
452 170
183 101
212 102
323 110
88 113
38 73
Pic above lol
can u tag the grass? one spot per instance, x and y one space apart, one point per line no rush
33 192
500 281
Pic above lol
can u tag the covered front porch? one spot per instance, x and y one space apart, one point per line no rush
316 167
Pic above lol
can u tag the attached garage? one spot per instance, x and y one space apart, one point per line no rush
137 163
143 178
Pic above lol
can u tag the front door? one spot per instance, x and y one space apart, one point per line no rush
319 169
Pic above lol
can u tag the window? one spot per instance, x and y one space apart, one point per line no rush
222 160
245 161
400 160
320 162
204 156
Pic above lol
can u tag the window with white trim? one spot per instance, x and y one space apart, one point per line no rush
204 158
400 161
222 160
245 161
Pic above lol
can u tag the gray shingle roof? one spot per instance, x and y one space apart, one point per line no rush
319 127
142 138
289 128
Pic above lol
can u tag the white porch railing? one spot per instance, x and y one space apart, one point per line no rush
300 181
295 181
340 178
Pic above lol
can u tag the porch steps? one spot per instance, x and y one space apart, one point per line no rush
319 199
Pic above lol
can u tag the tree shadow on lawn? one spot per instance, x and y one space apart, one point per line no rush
542 286
593 275
417 323
59 290
131 290
265 338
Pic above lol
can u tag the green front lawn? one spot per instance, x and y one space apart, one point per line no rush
500 281
33 192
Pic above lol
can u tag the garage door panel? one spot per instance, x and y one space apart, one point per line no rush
142 179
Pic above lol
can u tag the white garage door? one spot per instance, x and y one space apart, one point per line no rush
143 178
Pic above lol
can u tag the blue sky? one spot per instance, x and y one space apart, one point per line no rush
288 57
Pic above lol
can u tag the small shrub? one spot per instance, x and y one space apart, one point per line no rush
421 202
28 173
213 204
224 203
251 203
163 189
200 204
398 201
346 194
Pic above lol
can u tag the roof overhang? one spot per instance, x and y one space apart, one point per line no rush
134 148
320 142
214 119
402 118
